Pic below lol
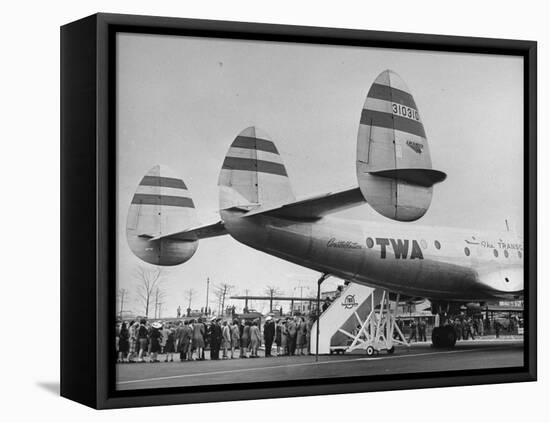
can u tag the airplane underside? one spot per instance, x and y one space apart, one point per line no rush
338 248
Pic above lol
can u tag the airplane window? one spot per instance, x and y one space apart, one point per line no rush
495 252
437 245
466 251
370 242
506 253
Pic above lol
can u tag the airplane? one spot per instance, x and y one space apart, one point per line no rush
450 267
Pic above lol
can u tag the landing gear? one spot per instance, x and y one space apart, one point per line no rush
443 337
379 331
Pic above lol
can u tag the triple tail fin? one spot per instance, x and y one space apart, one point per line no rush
253 173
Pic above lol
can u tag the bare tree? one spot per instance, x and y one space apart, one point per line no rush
189 294
122 297
159 296
221 292
272 291
149 279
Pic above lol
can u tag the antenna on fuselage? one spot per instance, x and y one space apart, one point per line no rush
507 226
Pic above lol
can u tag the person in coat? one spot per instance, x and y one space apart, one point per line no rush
278 333
284 337
123 343
301 330
215 340
269 335
155 339
226 339
198 338
255 339
185 336
292 333
235 337
245 340
143 333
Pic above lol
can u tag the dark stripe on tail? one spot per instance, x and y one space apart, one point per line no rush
238 163
388 120
384 92
162 181
163 200
255 144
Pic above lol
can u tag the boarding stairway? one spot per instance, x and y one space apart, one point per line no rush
360 319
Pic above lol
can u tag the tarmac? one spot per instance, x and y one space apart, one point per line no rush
419 357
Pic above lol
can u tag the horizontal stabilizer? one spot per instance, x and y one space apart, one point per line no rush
194 234
314 207
422 177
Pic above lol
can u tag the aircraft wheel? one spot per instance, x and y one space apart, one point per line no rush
391 350
370 351
436 337
450 336
443 337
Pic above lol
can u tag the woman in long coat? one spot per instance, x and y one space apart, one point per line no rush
123 343
245 340
156 338
226 338
301 336
184 341
235 337
278 330
198 338
255 339
170 344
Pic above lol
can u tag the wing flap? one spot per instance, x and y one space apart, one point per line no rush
314 207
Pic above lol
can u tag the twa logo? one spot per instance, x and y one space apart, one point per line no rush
402 248
349 302
416 146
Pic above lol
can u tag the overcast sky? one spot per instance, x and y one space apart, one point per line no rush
182 101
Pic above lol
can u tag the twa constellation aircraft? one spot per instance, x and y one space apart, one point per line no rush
450 267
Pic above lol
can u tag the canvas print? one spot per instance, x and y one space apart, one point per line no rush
291 211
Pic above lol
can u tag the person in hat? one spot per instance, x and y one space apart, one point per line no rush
269 335
155 337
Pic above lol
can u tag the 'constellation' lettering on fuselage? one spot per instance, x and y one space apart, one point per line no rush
400 248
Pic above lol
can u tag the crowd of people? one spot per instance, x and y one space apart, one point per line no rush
187 340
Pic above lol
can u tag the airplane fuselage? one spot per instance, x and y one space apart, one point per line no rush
435 263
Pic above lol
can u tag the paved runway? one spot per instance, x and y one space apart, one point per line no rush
417 358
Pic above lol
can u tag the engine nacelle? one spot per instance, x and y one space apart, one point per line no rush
394 167
162 205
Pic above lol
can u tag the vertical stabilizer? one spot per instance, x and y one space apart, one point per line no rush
394 167
253 173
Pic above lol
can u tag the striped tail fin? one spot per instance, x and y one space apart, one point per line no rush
253 173
394 166
161 205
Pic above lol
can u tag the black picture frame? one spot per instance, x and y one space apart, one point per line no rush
88 195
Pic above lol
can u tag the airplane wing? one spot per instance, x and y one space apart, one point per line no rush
192 234
314 207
